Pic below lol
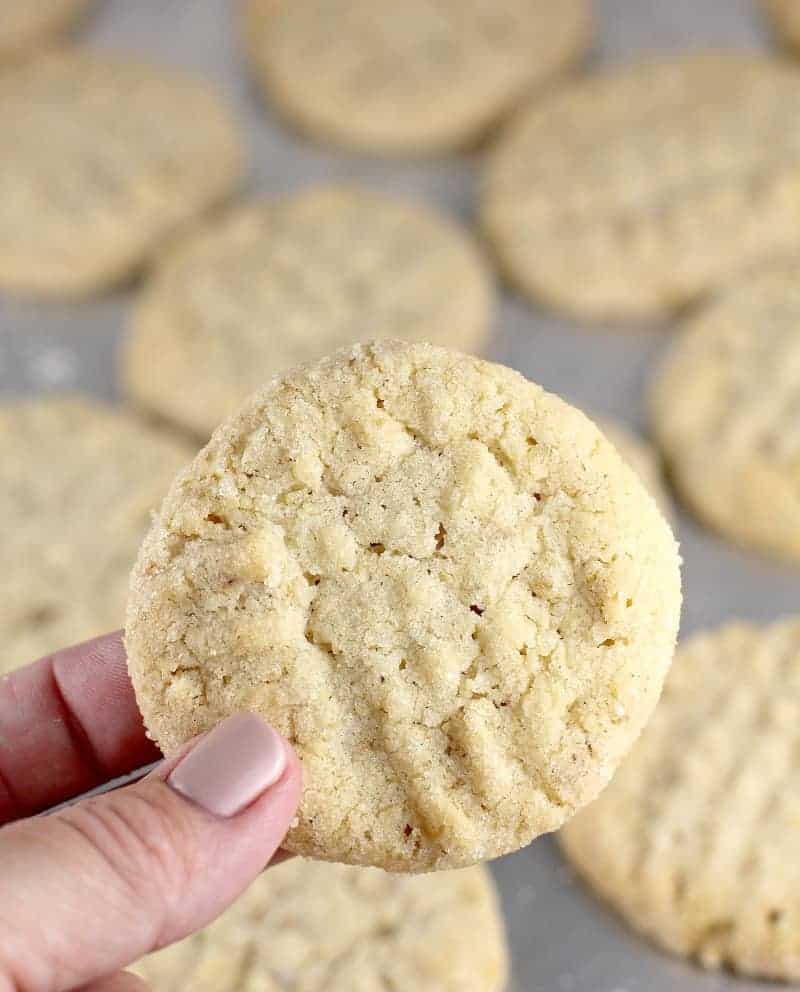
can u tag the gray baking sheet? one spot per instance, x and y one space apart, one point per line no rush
562 940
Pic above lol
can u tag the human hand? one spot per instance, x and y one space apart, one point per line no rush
91 888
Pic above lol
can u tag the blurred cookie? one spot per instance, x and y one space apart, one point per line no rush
77 484
426 78
724 409
24 24
785 18
277 283
103 157
695 841
633 192
331 928
642 458
438 581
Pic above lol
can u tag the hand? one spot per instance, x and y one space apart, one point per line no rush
88 890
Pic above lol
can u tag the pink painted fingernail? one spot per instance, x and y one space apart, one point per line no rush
230 768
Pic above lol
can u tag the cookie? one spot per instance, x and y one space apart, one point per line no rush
441 583
77 483
724 410
642 458
284 281
333 928
24 24
655 182
695 840
430 80
103 157
784 15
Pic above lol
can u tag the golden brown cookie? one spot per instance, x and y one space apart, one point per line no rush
440 582
25 24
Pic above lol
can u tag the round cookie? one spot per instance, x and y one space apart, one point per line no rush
280 282
695 840
724 411
103 157
334 928
784 16
430 80
642 458
24 24
77 484
655 182
439 582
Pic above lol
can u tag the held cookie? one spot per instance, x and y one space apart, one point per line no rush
695 841
653 183
642 458
430 78
77 484
440 582
102 158
24 24
277 283
784 16
334 928
724 410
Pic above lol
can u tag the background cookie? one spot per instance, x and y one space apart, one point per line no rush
641 457
332 928
438 581
77 484
425 79
655 182
25 23
102 158
724 410
695 841
785 18
276 283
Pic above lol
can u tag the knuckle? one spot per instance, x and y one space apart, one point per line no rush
145 841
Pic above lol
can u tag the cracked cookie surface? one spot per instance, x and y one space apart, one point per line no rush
642 458
695 840
436 77
441 583
656 182
284 281
314 927
103 158
78 482
725 409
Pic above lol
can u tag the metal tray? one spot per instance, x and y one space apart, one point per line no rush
562 939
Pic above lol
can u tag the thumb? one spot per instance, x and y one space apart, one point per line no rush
90 889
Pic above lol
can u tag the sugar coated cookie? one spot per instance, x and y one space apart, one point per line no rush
333 928
440 582
724 410
276 283
77 483
102 158
632 192
426 79
695 840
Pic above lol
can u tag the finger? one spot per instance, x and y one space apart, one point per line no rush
68 723
123 982
86 891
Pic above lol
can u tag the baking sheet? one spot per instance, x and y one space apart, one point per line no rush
562 940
